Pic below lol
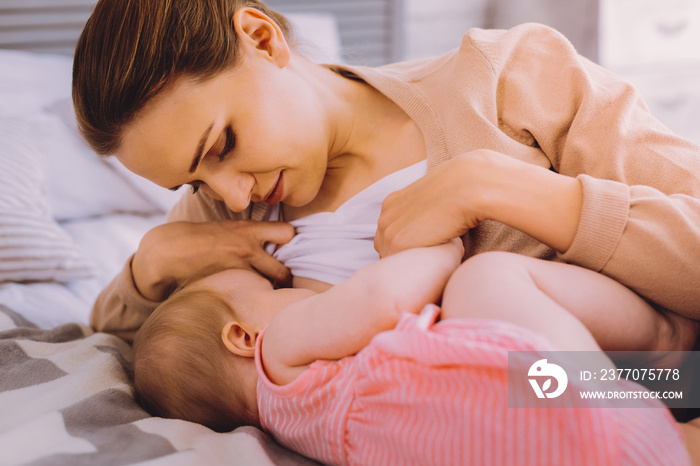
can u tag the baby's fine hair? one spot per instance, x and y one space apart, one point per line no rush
182 370
130 50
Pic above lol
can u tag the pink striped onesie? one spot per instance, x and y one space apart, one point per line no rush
431 393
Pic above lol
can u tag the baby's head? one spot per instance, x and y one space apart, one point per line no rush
183 370
194 356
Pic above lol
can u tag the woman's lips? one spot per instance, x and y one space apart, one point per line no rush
276 195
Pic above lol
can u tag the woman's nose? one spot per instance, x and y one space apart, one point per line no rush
235 191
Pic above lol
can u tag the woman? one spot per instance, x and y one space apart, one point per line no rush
530 148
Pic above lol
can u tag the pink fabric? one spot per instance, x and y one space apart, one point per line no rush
437 394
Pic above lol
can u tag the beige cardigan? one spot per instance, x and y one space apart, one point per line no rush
527 93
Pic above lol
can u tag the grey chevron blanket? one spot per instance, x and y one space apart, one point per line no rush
65 399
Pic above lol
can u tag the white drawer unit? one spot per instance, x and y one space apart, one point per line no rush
673 97
655 44
649 32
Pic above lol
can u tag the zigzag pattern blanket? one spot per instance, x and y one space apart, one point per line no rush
66 399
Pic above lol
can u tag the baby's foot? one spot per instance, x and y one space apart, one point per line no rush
679 336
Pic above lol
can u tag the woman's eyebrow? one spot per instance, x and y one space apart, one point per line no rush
200 149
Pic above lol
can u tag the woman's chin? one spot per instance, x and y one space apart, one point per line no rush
299 199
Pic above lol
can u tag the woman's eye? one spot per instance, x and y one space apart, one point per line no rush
229 143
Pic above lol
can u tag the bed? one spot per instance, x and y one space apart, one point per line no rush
68 221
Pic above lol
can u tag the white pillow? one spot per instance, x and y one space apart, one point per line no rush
151 197
33 247
31 81
81 183
159 196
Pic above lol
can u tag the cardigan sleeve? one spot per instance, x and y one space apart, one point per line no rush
120 309
640 222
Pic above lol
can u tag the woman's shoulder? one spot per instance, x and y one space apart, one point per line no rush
487 46
526 39
487 49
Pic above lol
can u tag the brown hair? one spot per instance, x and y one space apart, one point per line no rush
182 369
130 50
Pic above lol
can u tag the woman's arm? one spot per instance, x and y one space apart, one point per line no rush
482 185
343 320
632 187
179 251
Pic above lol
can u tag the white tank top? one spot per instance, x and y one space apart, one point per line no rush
331 246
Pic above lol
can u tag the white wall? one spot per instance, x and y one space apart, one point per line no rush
434 27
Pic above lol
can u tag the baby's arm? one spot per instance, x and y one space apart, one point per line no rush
342 320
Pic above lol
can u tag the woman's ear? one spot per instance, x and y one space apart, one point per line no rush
255 29
238 340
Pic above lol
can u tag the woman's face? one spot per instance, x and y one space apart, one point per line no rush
253 133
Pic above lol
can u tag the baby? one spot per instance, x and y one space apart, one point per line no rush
354 376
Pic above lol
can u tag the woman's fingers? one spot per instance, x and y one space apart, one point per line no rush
271 232
260 234
271 268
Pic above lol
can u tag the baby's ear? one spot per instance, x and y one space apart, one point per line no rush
238 340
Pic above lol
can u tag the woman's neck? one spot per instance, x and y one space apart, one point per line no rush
364 122
370 137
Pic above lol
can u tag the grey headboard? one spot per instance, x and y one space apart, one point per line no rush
370 30
43 25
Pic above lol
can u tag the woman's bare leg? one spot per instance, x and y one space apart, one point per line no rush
555 299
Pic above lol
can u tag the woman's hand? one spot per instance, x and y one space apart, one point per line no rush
483 184
175 252
432 210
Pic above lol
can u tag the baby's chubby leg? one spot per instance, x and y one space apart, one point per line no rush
556 300
564 302
691 432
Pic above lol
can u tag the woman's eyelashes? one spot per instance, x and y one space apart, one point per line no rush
195 186
229 143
